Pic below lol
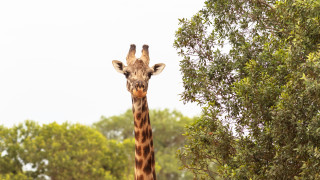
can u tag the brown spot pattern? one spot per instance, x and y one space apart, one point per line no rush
138 163
147 134
152 158
142 122
135 124
134 99
146 150
144 107
144 136
138 150
154 175
138 116
136 135
147 168
140 177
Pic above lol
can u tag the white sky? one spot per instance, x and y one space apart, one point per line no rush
55 57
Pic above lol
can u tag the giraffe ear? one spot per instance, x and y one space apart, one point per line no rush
118 65
157 68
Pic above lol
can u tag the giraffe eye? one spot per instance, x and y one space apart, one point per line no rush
127 74
149 74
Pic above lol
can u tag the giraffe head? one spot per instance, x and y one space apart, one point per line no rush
137 71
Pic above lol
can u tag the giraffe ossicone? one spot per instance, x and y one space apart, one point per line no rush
138 74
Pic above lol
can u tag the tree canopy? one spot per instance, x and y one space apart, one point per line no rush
168 127
103 151
57 151
254 67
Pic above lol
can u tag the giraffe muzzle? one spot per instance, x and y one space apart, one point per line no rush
139 90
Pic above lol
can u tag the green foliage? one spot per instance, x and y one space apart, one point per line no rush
56 151
121 155
74 151
260 98
167 126
111 127
11 176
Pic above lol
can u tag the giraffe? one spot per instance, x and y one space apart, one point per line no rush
138 74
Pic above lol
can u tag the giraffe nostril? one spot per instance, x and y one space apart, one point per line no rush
139 85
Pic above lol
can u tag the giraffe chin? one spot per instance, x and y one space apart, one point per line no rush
139 93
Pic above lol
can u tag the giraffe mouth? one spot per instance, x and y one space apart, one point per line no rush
139 92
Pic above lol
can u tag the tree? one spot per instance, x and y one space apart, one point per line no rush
118 127
56 151
167 126
253 65
73 151
10 165
122 158
68 152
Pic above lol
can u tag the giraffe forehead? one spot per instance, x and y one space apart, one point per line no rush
139 62
139 65
138 69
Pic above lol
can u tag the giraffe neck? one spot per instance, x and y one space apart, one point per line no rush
144 152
